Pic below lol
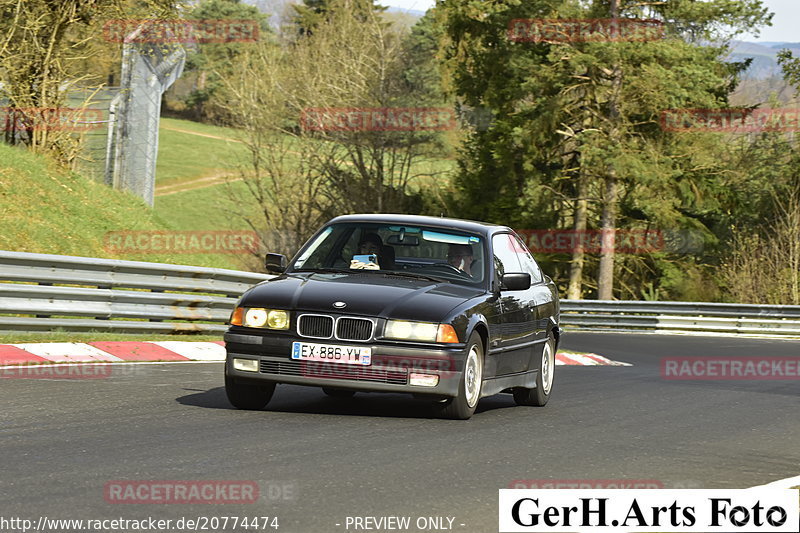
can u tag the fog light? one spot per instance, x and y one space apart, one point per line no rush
423 380
245 365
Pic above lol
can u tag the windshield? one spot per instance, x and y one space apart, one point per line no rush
419 251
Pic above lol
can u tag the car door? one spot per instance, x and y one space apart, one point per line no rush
517 311
544 306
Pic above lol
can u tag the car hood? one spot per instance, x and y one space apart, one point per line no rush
372 294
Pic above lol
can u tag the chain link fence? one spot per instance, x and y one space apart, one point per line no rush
148 70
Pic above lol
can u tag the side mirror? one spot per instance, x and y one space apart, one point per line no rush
516 281
275 263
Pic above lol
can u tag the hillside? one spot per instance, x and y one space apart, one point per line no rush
44 209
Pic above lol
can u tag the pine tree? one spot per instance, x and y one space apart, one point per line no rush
577 142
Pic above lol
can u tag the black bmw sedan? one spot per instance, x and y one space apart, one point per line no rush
444 309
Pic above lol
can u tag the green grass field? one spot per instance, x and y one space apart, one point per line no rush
185 157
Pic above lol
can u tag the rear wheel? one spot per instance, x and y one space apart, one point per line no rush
338 393
544 378
463 406
247 396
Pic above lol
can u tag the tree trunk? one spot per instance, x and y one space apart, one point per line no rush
605 278
578 253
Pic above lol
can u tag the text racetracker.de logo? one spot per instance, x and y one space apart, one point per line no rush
617 511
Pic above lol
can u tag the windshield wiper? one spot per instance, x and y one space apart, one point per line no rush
324 270
413 275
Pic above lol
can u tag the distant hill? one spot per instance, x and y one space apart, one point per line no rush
414 12
765 63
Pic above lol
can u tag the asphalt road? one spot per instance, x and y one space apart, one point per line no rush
318 460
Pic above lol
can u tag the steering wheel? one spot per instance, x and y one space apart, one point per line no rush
447 266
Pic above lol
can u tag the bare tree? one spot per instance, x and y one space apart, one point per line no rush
296 176
764 263
43 45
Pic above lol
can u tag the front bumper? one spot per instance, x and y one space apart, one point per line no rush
392 364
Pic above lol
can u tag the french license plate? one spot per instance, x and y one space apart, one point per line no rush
328 353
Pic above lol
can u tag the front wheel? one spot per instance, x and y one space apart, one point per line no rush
544 378
246 396
463 406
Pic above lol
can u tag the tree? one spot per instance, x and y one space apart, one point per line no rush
299 174
42 49
210 62
311 13
577 141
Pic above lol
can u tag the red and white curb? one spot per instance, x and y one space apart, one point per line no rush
586 359
128 351
110 352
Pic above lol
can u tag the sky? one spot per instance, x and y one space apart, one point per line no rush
785 24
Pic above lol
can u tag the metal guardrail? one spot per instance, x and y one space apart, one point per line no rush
40 292
748 319
84 294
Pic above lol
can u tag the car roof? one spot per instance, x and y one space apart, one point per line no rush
439 222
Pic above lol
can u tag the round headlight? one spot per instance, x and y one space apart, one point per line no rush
277 319
255 317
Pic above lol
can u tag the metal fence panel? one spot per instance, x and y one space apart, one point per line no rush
148 70
84 294
106 294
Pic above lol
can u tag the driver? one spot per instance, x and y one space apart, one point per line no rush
460 256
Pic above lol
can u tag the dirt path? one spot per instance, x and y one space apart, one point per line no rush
229 139
198 183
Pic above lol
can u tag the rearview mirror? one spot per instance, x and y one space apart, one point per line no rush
408 240
275 263
516 281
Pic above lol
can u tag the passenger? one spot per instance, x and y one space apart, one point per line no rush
370 244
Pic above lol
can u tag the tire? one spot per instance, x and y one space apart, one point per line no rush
338 393
253 397
544 378
463 406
